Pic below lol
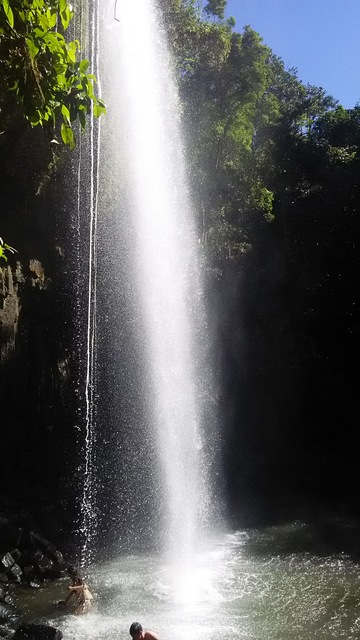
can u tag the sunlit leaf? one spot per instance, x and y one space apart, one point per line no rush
66 113
98 110
8 12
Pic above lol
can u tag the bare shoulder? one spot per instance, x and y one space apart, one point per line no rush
151 635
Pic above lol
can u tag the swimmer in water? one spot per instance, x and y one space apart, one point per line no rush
79 599
138 633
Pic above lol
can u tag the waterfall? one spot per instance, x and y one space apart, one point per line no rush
146 309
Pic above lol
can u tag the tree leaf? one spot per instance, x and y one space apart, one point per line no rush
98 110
67 136
84 65
33 49
66 113
8 12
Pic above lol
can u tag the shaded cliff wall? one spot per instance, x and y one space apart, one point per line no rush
37 370
287 338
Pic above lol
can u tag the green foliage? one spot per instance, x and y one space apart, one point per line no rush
259 140
5 249
227 101
40 69
216 8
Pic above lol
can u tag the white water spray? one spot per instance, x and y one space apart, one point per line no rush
136 178
143 104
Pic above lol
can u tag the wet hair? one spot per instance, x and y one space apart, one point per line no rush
135 628
75 576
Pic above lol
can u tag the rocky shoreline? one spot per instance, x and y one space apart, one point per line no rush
27 560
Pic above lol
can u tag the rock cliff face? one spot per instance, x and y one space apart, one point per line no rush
9 309
34 388
37 370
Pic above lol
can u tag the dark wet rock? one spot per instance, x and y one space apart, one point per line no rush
27 557
6 561
35 584
9 567
15 573
16 554
30 578
7 612
5 631
37 632
8 597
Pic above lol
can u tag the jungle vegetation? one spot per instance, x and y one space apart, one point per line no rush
274 165
42 78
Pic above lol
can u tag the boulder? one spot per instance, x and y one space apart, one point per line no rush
6 560
5 632
15 573
7 612
37 632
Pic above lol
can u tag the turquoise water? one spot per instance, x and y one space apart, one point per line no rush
253 585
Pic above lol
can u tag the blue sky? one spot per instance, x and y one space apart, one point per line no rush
321 38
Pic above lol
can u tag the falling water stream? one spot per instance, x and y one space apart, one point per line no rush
273 584
167 269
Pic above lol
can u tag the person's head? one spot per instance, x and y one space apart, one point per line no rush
75 576
136 631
